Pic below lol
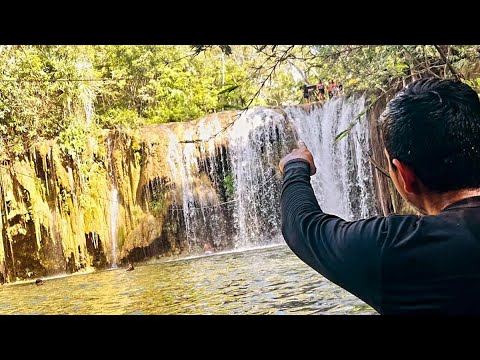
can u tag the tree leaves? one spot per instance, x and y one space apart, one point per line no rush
42 87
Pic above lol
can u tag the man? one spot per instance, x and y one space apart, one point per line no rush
404 264
306 92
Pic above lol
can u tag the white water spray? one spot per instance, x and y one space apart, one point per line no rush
114 224
253 145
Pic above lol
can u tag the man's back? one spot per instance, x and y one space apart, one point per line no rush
432 264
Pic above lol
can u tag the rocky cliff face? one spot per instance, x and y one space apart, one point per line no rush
172 188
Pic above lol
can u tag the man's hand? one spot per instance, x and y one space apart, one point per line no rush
300 153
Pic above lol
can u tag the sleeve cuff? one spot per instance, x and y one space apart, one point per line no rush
297 164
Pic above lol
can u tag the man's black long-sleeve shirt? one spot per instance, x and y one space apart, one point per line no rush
399 264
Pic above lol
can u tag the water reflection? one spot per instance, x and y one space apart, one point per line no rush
263 281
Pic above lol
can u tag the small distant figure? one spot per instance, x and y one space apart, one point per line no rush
307 89
321 90
332 89
39 282
130 267
306 94
207 249
340 88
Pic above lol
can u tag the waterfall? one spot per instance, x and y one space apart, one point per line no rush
256 144
343 184
204 219
114 224
180 160
249 216
114 209
212 181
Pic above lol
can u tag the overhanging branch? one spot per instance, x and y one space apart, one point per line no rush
445 59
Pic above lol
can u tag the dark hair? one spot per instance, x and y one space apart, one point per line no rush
433 126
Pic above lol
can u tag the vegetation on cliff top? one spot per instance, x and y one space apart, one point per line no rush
69 91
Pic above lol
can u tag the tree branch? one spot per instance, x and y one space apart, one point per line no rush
450 67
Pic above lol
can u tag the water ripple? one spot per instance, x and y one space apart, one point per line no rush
264 281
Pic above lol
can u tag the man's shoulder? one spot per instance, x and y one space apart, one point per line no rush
399 227
445 225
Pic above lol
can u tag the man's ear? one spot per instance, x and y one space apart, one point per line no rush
410 181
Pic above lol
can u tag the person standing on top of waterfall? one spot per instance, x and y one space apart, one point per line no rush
403 264
307 92
332 88
321 90
340 88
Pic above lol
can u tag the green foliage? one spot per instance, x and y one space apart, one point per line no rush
169 83
158 204
34 100
117 118
73 140
159 83
120 86
229 186
381 67
44 87
156 207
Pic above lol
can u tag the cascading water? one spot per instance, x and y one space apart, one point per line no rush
181 162
343 183
245 212
256 143
199 202
114 209
114 224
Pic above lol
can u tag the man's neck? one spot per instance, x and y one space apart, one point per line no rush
433 203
